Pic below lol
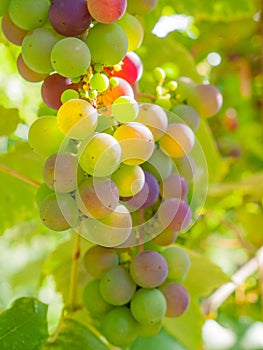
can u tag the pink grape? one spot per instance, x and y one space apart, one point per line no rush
177 299
174 186
107 11
11 31
27 73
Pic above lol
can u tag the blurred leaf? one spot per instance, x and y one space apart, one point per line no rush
24 325
74 335
9 120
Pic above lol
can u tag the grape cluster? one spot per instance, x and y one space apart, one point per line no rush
131 294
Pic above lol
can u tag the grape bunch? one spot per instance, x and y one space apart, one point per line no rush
130 294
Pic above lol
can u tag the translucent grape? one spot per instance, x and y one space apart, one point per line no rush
133 29
77 119
36 49
122 88
110 231
108 43
70 17
60 172
11 31
97 197
178 262
53 87
107 11
93 300
98 260
166 237
141 7
178 140
70 57
68 95
148 306
119 327
99 82
185 89
129 179
59 213
188 114
174 214
154 117
174 186
27 73
117 287
125 109
137 143
44 136
148 269
159 165
29 14
177 299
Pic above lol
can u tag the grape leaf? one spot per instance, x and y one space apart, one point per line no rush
9 120
74 335
24 325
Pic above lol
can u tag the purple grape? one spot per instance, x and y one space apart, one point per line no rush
177 299
174 186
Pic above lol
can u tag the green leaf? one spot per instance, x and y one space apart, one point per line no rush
24 325
74 335
9 120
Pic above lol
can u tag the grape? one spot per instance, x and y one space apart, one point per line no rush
68 95
110 231
105 124
123 88
177 299
125 109
119 327
178 140
77 119
93 300
186 167
149 330
148 269
42 192
174 214
29 14
133 29
97 197
159 75
100 155
166 237
108 43
148 194
53 87
27 73
98 260
141 7
60 172
59 213
11 31
174 186
129 179
99 82
70 57
137 143
148 306
188 114
36 49
178 262
4 6
159 165
185 89
154 117
69 17
117 287
44 136
107 11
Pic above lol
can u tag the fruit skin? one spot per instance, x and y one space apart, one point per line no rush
107 11
177 299
141 7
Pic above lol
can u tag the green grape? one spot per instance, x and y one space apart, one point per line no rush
69 94
93 300
70 57
110 231
114 81
108 43
4 6
187 113
159 75
149 330
105 124
100 155
42 192
185 89
148 306
178 262
186 167
133 29
159 164
44 136
99 82
166 237
98 260
36 49
129 179
141 7
29 14
119 327
125 109
59 212
77 119
117 287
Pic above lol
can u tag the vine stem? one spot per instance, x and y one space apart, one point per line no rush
215 300
4 169
74 273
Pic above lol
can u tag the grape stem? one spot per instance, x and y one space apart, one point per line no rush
74 273
6 170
